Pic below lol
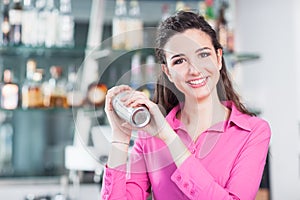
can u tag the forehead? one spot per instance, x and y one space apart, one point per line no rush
189 40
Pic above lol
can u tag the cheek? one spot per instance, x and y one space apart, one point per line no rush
209 63
212 66
176 75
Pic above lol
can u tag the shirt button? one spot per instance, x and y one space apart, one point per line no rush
193 151
192 192
185 185
107 183
108 174
178 178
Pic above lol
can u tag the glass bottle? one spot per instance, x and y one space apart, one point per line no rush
6 143
180 5
134 27
119 25
165 10
5 24
75 97
32 95
96 93
9 91
29 24
51 32
15 18
151 75
66 24
55 89
136 71
202 8
210 13
41 22
230 17
221 27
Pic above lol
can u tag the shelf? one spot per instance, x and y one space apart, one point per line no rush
48 110
235 58
88 110
25 51
143 52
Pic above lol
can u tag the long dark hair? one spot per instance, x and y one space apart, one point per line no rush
166 94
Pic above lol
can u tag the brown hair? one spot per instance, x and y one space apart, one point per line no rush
166 94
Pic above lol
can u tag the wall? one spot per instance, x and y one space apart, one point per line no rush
269 27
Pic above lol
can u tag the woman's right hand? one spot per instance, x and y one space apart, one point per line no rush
120 131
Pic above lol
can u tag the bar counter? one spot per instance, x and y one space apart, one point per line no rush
20 188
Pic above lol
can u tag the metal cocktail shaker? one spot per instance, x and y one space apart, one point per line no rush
138 116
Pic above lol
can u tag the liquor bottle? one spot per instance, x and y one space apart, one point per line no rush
9 91
180 5
32 94
150 75
66 24
96 94
221 27
230 17
5 25
75 97
119 25
136 71
15 17
210 13
165 10
41 22
51 32
6 144
55 89
202 8
29 24
134 27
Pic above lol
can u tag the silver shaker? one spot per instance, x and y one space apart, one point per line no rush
138 116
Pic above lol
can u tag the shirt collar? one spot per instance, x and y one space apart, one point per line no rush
172 120
236 117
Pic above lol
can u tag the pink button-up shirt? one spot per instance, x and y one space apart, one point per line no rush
226 162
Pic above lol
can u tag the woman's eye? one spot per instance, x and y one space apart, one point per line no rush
204 54
178 61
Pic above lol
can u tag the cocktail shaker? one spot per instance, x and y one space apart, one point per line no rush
138 116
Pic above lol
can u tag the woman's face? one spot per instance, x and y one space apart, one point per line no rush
192 63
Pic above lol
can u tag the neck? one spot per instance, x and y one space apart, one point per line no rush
206 113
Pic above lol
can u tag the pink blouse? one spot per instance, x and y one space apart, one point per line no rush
226 162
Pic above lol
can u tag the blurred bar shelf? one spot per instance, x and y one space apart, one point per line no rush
88 110
25 51
235 58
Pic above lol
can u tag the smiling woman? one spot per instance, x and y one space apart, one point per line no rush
201 142
193 62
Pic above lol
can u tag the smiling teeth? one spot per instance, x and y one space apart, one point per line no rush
196 82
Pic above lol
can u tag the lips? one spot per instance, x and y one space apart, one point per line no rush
198 82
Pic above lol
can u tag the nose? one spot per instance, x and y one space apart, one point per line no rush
193 68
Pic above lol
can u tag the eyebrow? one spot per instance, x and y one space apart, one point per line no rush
177 55
201 49
198 50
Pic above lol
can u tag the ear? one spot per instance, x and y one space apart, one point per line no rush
165 69
219 58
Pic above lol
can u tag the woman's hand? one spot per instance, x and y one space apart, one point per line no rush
120 131
158 124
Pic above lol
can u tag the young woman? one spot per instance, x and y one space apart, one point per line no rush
201 142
